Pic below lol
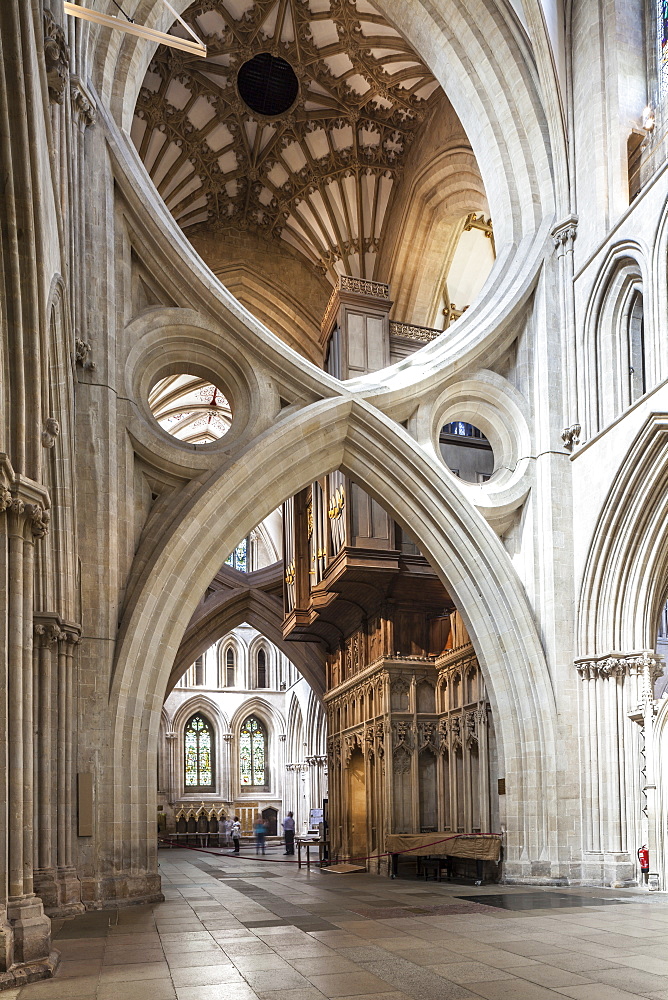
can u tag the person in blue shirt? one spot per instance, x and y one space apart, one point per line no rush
289 833
260 834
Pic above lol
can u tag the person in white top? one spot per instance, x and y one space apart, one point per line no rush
236 834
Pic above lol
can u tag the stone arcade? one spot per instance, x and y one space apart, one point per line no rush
334 368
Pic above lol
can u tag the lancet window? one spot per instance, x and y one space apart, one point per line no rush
261 669
253 753
230 668
198 754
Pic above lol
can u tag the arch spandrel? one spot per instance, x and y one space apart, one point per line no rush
384 460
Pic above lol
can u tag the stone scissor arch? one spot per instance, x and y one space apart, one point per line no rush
472 562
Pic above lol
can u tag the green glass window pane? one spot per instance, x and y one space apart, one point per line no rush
245 757
252 753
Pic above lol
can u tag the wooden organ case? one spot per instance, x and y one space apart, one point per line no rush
410 736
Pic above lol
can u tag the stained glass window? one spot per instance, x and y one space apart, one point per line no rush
253 752
662 32
238 558
198 740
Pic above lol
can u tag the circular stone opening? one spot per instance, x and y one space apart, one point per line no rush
190 408
268 84
466 451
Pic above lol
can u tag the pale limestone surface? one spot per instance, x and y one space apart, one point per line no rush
112 531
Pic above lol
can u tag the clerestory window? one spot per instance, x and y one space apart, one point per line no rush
230 668
261 669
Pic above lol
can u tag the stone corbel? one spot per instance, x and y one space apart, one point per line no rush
571 436
50 432
83 105
56 58
82 352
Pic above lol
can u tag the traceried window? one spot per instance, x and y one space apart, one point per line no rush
198 761
230 668
253 753
239 558
261 669
662 39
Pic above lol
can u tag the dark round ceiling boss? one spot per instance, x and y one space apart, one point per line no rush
268 84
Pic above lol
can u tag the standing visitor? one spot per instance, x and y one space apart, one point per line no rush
236 834
227 831
260 834
289 833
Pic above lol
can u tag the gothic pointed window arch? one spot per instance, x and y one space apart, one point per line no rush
253 770
230 668
261 668
198 743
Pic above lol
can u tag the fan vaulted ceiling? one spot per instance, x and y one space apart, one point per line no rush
320 175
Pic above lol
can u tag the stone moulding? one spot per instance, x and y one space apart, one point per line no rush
620 665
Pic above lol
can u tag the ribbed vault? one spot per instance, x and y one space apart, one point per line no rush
319 177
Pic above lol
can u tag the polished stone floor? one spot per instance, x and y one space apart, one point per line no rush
244 930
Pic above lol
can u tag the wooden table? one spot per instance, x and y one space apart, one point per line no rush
483 847
308 843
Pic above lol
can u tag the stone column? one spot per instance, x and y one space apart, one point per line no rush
47 634
169 778
30 954
69 885
614 787
563 236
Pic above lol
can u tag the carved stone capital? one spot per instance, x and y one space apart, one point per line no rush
56 58
47 633
620 665
564 234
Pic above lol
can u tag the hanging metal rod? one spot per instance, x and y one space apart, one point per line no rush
196 47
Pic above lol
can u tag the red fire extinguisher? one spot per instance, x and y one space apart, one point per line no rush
643 859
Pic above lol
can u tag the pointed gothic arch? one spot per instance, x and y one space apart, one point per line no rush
618 365
625 579
383 459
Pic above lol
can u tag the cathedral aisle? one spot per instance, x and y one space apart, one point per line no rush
238 929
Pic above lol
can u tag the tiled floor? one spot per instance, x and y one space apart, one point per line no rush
246 930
